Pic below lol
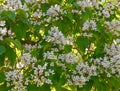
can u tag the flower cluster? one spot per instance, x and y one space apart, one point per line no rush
41 74
82 73
110 63
89 25
84 4
15 78
53 42
13 5
54 10
68 58
113 27
56 36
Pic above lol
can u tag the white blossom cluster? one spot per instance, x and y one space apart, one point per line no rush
50 55
89 25
41 74
13 4
29 47
107 10
68 58
55 11
28 59
110 63
35 1
113 27
15 78
81 74
73 66
84 4
56 36
3 30
87 34
38 13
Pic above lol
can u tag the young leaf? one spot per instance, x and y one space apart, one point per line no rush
2 49
82 43
2 76
15 42
20 30
6 14
10 54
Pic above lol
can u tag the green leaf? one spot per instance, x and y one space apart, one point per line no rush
25 21
60 89
101 84
32 87
70 1
20 30
15 42
69 16
11 55
2 76
2 49
68 48
76 5
114 83
3 87
6 14
2 58
82 43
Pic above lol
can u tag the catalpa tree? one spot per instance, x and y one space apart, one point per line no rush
59 45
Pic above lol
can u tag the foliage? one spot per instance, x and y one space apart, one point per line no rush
61 45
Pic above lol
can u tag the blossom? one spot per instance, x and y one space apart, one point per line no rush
50 55
15 78
56 36
89 25
54 10
13 4
68 58
2 23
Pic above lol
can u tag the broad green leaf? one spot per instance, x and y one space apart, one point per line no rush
3 87
114 83
60 89
2 49
76 5
2 58
69 16
20 13
100 84
70 1
20 30
10 54
68 48
25 21
82 43
32 87
2 76
15 42
7 14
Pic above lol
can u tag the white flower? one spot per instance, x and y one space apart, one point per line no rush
106 13
89 25
54 10
86 26
50 55
56 36
2 23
